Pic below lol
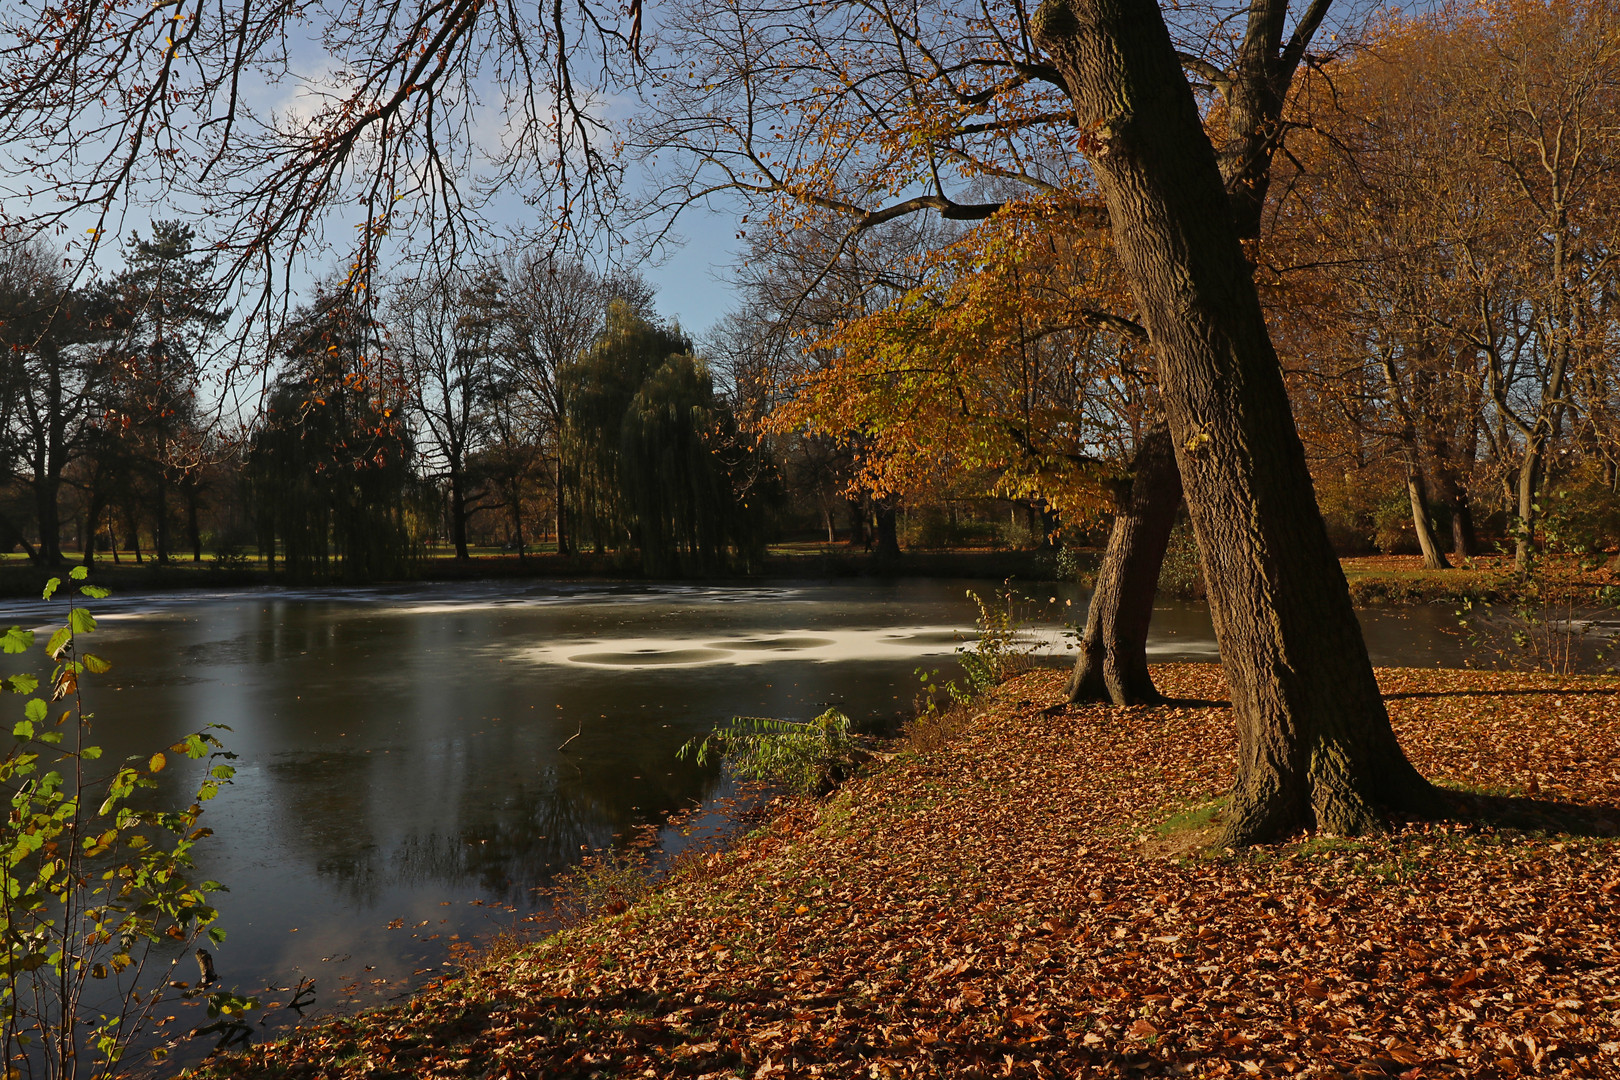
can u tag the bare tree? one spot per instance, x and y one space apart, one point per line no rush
448 334
556 307
402 119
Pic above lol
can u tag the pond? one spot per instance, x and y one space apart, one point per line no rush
400 785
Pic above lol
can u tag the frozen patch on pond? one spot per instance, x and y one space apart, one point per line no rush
820 646
1181 648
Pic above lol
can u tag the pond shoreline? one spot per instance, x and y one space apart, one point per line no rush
1391 581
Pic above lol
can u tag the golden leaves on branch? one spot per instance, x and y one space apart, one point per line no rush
1008 362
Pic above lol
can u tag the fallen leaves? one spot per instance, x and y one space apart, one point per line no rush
986 908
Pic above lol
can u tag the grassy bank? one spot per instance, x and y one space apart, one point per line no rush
1384 580
19 578
1003 899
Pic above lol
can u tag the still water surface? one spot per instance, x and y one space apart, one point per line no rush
400 784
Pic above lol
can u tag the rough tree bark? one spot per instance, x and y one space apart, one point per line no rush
1463 544
1315 745
1112 663
1255 90
1417 493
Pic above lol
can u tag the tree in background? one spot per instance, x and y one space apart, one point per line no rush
653 457
167 310
1455 212
1005 360
54 338
556 309
448 336
330 465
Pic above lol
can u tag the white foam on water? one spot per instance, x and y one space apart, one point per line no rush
771 647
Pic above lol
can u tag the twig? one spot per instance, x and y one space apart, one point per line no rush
572 737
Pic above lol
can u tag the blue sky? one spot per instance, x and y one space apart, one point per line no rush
696 285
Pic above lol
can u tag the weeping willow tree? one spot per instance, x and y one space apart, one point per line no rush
655 460
330 468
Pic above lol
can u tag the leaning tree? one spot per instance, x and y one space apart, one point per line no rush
1316 746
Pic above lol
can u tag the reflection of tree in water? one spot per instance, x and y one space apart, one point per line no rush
504 847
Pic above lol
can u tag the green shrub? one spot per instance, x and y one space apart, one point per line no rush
1001 650
95 887
804 758
1181 575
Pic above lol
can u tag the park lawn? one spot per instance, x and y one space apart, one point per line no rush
1401 579
1003 898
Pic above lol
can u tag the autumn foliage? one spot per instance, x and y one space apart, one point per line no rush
1014 360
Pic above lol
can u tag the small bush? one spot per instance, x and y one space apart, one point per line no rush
603 883
1001 649
1181 575
1545 623
804 758
1069 564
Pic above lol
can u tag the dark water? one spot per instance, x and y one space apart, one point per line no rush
399 781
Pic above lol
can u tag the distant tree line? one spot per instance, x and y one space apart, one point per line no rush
527 401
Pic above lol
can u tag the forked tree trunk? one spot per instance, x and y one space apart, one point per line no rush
1455 498
1463 544
1525 490
1418 495
1112 663
1315 745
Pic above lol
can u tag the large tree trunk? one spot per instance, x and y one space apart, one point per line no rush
1315 745
859 535
458 515
1254 90
1112 662
888 540
1525 489
1455 498
564 547
47 491
1417 493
